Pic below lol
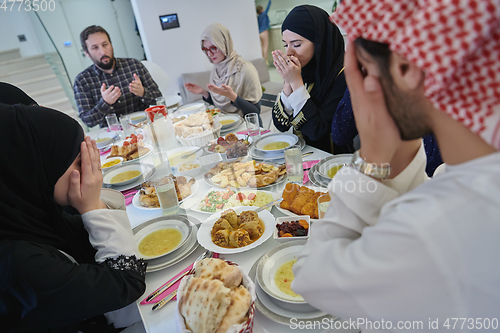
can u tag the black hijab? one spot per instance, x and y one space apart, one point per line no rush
10 94
313 24
39 146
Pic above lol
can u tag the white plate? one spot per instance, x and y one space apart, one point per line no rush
194 189
205 237
108 138
291 139
190 108
131 167
182 225
333 161
196 208
185 150
148 171
179 254
137 117
276 313
236 119
290 213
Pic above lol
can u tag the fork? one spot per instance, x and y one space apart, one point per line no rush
206 254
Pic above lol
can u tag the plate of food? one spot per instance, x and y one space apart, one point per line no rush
216 200
162 237
301 200
146 198
232 145
245 175
236 230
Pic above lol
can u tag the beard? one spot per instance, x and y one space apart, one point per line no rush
407 110
105 66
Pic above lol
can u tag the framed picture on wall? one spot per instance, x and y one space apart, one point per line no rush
169 21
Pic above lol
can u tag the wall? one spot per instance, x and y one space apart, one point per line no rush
177 50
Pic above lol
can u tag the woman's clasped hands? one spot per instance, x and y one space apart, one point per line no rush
289 69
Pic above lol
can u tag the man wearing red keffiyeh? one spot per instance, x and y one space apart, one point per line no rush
407 249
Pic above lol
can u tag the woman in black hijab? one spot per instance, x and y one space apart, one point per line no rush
313 71
57 269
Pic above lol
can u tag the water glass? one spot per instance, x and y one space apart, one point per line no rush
323 202
293 161
253 126
113 123
167 196
126 125
161 101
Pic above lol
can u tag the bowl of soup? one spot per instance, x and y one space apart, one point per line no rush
161 236
330 167
275 276
123 175
275 143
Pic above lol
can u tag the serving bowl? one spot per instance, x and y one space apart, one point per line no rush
266 272
281 220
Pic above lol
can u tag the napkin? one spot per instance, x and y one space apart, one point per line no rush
173 287
246 132
308 165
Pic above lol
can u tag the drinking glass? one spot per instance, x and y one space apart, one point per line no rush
167 196
323 202
126 125
293 162
253 126
161 101
113 123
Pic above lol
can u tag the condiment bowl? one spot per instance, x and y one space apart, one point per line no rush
266 271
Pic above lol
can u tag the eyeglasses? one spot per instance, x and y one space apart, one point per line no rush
213 49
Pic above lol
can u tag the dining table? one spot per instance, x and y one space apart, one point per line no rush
164 320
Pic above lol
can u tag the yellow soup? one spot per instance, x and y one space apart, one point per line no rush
124 176
176 158
110 163
226 122
334 170
101 140
284 277
160 242
276 145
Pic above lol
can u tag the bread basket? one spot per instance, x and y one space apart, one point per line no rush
245 327
201 139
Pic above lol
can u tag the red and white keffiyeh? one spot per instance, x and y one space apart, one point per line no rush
455 42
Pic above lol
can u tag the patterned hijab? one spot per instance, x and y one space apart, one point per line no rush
455 42
233 71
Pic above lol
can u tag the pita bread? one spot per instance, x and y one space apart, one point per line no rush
218 269
204 304
237 312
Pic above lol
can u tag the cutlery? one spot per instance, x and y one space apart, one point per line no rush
272 203
206 254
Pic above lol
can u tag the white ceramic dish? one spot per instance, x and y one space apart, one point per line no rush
291 139
175 154
132 167
104 139
164 222
113 166
205 238
233 119
266 270
281 220
137 117
194 189
182 252
209 161
290 213
197 208
343 159
190 108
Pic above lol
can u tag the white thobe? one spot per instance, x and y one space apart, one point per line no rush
408 251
